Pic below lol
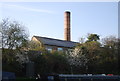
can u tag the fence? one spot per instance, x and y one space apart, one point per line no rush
88 78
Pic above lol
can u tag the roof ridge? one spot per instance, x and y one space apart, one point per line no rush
55 39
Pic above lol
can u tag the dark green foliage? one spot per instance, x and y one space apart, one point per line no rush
9 62
25 79
93 37
103 57
52 62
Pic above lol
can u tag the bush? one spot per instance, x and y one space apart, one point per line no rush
25 79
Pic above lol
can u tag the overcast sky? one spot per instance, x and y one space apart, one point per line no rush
47 18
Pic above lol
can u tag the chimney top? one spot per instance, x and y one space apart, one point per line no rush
67 11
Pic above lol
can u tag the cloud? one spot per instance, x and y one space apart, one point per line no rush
27 8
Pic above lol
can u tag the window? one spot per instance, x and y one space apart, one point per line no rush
60 49
49 48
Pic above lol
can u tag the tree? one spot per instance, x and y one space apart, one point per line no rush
110 42
36 45
110 54
14 38
77 57
13 34
51 62
96 57
93 37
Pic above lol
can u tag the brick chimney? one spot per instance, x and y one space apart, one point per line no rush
67 26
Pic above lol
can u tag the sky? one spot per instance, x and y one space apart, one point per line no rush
47 18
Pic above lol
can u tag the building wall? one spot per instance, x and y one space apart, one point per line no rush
57 48
34 39
50 47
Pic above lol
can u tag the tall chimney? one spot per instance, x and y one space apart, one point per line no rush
67 26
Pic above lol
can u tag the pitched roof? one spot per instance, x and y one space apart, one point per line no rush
56 42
